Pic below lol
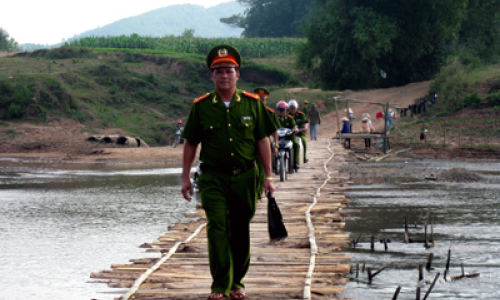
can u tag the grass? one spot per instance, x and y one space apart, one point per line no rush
141 91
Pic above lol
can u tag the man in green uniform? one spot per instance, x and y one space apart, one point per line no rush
264 93
287 121
301 122
305 108
233 128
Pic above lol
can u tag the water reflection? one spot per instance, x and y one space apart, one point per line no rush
465 220
57 227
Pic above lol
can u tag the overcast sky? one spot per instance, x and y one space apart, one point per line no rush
50 21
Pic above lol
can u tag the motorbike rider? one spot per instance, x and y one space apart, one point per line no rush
287 121
264 94
301 122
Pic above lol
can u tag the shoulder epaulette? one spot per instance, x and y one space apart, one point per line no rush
251 95
270 109
201 98
290 116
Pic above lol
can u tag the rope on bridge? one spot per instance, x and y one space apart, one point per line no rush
310 226
146 274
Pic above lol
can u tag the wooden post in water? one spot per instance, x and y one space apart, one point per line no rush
418 294
429 261
447 269
357 270
369 272
407 238
396 293
385 244
432 286
372 244
426 242
420 272
432 230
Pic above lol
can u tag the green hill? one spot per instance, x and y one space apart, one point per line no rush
142 93
173 20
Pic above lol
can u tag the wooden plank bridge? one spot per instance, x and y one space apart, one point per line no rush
306 265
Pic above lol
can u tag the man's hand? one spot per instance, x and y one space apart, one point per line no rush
274 151
187 161
187 189
268 187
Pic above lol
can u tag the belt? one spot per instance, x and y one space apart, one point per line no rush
232 171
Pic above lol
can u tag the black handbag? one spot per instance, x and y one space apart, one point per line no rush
275 225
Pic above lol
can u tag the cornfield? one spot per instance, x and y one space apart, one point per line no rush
248 47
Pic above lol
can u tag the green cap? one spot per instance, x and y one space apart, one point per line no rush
313 105
261 91
223 54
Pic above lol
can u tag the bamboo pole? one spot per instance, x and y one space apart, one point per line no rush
447 268
432 286
396 293
429 261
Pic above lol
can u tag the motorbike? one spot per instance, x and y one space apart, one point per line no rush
284 160
177 139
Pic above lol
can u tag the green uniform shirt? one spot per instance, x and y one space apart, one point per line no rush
228 135
273 116
300 120
305 110
287 122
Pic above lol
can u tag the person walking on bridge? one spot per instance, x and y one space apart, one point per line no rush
264 94
233 128
314 120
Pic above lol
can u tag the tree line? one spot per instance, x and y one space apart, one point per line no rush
7 43
378 43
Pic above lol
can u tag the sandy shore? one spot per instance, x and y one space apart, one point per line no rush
154 157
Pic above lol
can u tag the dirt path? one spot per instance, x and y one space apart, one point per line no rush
398 96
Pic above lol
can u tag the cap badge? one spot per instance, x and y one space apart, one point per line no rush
222 52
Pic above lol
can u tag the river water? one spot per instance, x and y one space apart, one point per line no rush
56 227
466 220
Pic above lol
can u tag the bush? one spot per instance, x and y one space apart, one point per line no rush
15 111
493 98
473 100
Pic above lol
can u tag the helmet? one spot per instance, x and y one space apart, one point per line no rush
293 104
281 105
179 122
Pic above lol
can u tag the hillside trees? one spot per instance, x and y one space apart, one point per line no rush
480 32
272 18
6 43
365 43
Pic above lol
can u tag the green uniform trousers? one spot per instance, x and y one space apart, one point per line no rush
296 149
261 177
229 204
